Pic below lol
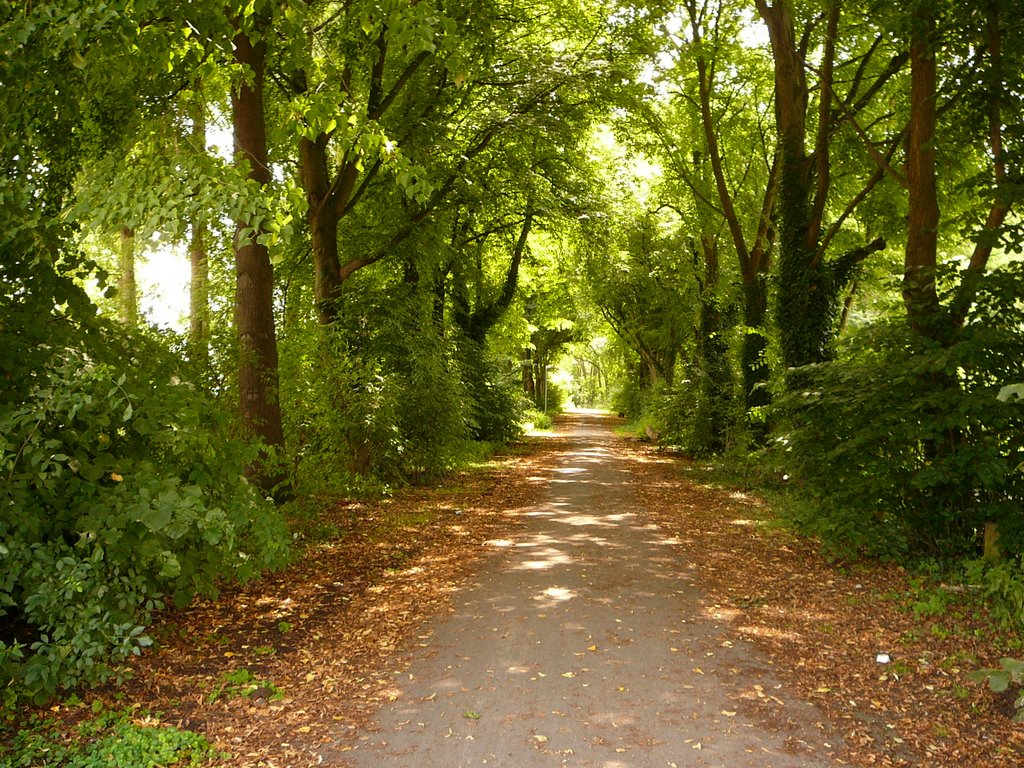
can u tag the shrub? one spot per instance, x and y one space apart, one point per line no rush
121 486
902 445
373 404
119 738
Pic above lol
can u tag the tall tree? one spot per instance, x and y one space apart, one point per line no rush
810 279
990 88
716 92
258 382
753 247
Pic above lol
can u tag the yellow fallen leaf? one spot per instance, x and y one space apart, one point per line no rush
592 648
727 713
568 674
541 739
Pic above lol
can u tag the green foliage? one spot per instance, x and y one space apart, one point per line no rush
121 486
902 444
1002 586
497 403
632 397
242 683
1010 672
699 418
536 420
372 402
115 738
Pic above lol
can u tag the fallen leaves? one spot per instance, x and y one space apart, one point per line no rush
892 685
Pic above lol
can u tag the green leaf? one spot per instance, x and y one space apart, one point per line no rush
156 518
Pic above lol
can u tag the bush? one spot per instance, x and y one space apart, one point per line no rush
497 403
373 405
902 444
121 486
537 420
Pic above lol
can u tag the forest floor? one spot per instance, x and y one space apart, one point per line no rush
303 667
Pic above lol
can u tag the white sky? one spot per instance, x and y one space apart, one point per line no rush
163 279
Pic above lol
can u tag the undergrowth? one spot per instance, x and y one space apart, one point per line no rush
126 737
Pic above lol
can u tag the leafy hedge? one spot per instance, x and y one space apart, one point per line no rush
903 445
121 486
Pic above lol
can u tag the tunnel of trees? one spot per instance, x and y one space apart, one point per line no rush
787 233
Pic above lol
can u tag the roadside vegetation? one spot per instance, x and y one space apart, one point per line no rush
784 240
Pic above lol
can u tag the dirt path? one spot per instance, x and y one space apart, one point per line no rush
584 641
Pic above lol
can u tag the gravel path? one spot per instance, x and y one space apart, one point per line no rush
584 642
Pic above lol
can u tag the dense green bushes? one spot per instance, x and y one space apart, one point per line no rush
902 444
389 402
121 487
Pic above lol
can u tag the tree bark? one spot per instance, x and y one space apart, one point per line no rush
713 354
325 202
920 295
127 288
254 277
199 265
199 298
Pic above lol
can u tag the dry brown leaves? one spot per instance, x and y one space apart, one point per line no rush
892 684
332 631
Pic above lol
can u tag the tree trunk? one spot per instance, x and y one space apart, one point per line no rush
920 296
323 216
529 386
199 298
127 288
254 286
807 292
713 355
199 284
755 345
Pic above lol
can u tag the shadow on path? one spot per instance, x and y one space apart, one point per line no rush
584 643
